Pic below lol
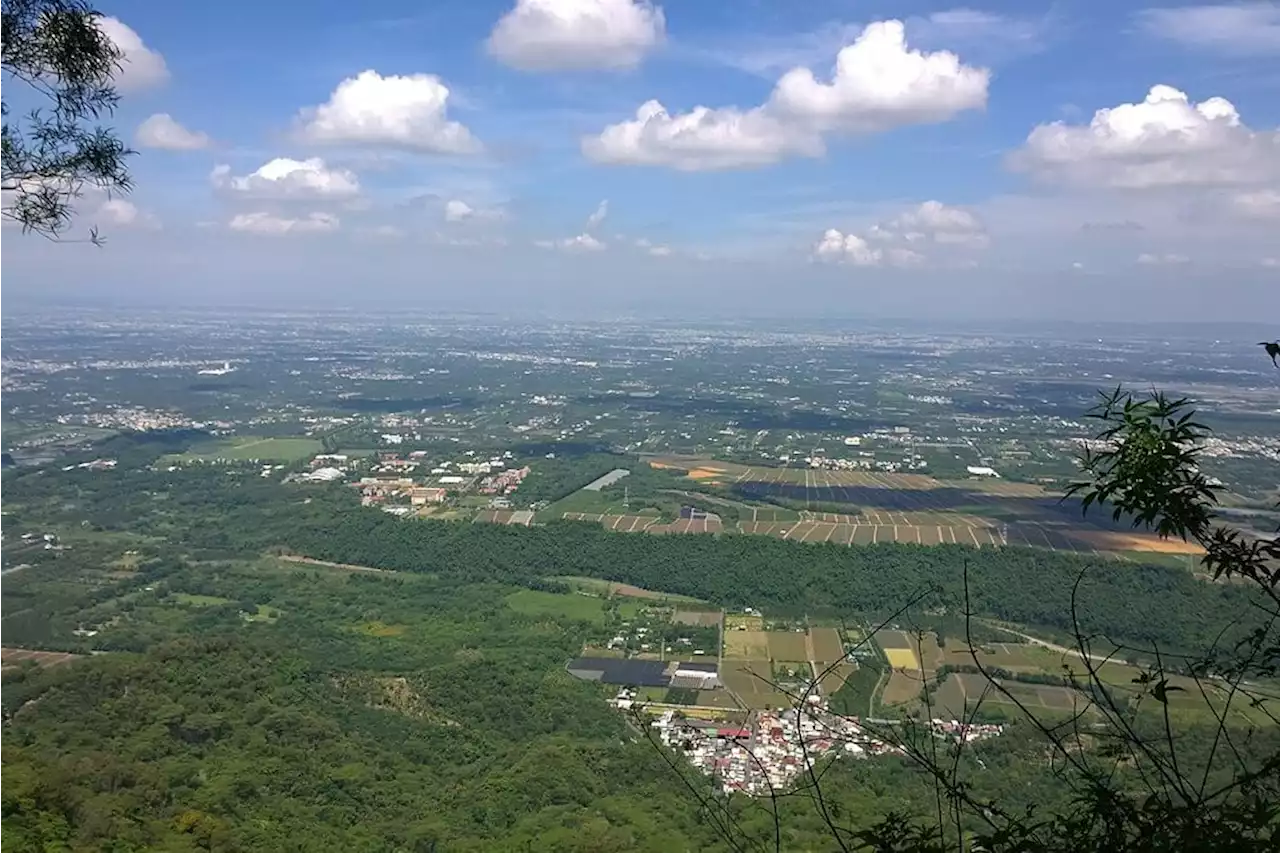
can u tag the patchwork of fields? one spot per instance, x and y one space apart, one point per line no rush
757 663
912 509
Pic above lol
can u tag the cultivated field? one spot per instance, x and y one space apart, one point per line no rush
803 653
505 516
825 645
746 644
963 691
750 680
703 618
917 509
649 523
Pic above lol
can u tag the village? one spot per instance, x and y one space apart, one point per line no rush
752 700
407 484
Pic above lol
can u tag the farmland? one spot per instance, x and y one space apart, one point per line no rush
1023 672
911 509
754 657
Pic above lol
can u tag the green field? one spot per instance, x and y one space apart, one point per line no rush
247 447
533 602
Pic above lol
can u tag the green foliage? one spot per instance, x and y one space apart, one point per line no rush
552 479
1140 603
55 49
1146 471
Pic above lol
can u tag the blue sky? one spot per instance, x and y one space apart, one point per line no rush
458 153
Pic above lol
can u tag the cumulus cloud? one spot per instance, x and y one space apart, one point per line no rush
703 139
1165 141
268 223
162 131
904 240
857 251
878 84
935 221
1248 28
1158 260
285 178
396 112
660 251
140 67
572 35
581 243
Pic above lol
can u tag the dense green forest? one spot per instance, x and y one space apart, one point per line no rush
388 712
1125 601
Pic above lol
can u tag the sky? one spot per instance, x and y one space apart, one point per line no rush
1008 159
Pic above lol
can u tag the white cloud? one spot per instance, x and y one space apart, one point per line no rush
1157 260
286 178
1270 263
660 251
267 223
396 112
903 240
161 131
581 243
570 35
601 211
935 221
1259 204
700 140
1165 141
848 248
140 67
878 84
456 210
118 211
1248 28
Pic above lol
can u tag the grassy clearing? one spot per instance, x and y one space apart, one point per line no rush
603 587
263 614
241 448
572 606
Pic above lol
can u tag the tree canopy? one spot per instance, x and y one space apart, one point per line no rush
55 54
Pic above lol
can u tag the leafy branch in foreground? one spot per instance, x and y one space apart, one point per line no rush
55 50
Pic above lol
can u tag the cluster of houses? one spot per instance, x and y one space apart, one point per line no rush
772 751
776 747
